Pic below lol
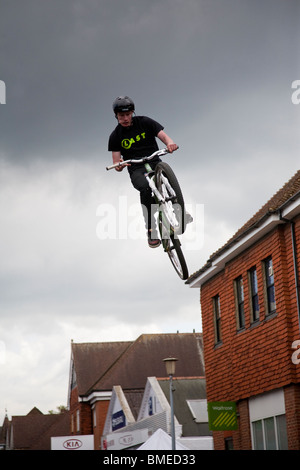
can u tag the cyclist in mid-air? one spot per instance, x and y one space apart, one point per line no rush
135 137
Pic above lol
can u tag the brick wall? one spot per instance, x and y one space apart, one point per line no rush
292 411
87 424
85 415
101 412
257 358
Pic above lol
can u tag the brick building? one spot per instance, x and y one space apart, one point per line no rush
249 292
33 431
95 368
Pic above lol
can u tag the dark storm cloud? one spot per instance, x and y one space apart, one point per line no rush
64 62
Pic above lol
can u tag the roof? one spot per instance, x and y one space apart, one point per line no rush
186 389
286 195
100 366
34 431
134 399
92 360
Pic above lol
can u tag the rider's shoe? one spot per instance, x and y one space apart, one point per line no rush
153 240
188 218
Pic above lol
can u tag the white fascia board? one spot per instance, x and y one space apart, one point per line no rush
219 263
292 210
207 274
96 396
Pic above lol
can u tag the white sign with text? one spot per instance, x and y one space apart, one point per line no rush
73 442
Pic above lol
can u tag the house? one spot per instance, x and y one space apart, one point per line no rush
123 431
249 295
34 430
95 368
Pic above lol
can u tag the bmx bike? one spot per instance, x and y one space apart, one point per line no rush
171 208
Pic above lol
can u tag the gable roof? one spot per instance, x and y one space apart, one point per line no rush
92 360
286 196
33 431
129 364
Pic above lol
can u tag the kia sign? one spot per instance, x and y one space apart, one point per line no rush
73 442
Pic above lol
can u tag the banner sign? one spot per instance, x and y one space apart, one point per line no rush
118 420
123 440
222 416
75 442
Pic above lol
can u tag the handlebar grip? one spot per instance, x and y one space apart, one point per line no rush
115 165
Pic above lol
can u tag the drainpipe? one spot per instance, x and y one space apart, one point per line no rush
294 247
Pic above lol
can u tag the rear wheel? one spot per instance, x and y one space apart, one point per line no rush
172 207
173 248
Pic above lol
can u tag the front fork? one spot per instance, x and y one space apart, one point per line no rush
164 225
154 189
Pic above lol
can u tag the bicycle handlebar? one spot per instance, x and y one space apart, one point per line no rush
140 160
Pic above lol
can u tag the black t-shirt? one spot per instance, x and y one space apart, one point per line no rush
135 141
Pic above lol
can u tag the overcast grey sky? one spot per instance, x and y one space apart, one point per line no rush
217 74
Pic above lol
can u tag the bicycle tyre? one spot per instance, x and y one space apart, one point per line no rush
174 251
176 220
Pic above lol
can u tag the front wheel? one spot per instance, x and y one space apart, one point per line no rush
172 207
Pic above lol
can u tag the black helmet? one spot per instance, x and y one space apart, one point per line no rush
123 104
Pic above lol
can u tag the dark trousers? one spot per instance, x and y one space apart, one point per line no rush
140 183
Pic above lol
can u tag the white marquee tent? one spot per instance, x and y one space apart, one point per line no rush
160 440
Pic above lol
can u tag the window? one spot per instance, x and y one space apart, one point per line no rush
229 443
254 303
77 421
270 433
269 286
94 417
258 440
198 408
217 318
239 301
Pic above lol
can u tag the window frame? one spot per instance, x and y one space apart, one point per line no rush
217 319
78 420
253 295
269 286
239 302
277 428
